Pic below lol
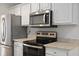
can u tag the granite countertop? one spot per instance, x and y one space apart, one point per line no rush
62 45
58 44
25 39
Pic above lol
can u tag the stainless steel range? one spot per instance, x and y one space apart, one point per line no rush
36 47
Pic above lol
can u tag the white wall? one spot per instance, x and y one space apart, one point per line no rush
70 32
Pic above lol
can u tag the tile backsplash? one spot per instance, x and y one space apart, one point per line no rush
63 31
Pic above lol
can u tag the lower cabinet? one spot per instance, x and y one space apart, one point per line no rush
18 49
61 52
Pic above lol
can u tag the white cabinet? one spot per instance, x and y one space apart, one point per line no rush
44 6
64 13
62 52
12 10
34 7
17 10
52 7
40 6
25 11
22 10
18 49
55 52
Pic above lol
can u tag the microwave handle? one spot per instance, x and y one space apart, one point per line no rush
44 18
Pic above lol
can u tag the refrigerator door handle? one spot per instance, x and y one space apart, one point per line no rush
4 30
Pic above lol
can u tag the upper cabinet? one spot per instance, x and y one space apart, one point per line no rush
22 10
12 10
40 6
65 13
15 10
34 7
25 12
44 6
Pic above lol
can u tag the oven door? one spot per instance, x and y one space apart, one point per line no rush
32 50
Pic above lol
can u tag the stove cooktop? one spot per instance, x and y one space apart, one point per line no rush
43 37
33 42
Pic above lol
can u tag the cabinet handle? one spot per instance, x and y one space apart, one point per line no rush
54 52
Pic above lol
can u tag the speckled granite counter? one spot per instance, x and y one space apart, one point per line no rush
25 39
62 45
59 44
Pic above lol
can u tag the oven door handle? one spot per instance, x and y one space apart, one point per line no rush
33 46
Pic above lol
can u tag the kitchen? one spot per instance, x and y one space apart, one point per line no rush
43 29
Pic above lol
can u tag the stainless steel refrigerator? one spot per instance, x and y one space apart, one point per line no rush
10 28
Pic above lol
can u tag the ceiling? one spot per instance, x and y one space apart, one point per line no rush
8 4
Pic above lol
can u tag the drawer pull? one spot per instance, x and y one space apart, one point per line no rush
54 52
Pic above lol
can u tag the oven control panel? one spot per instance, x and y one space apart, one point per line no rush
47 34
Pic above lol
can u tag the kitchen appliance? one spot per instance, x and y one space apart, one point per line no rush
36 47
10 28
41 18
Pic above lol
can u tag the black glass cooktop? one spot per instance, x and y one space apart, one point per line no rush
33 42
40 41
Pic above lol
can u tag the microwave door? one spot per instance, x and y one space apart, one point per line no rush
37 19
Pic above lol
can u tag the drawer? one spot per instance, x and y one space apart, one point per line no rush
56 52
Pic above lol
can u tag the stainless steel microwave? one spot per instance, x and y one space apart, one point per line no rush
41 18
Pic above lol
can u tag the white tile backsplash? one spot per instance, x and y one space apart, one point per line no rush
63 31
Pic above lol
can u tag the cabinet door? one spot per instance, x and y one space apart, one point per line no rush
25 11
56 52
17 10
48 54
62 13
12 11
44 6
34 7
52 7
18 49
